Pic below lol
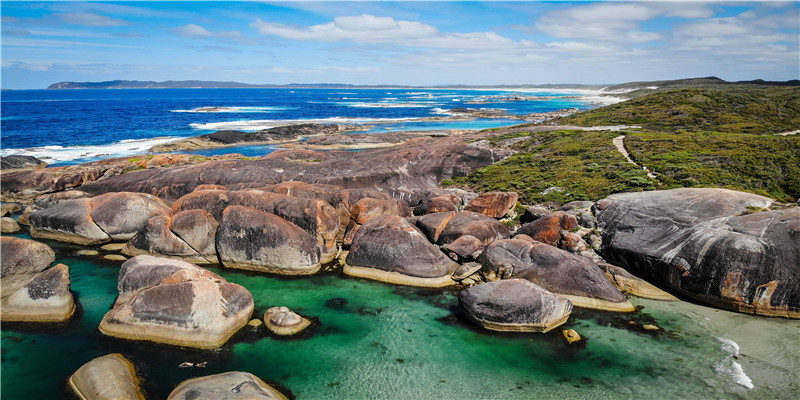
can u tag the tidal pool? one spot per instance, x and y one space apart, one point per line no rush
372 340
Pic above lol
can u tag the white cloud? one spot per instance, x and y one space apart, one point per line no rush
89 19
367 28
713 28
197 31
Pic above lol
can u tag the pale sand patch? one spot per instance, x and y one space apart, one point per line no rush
788 133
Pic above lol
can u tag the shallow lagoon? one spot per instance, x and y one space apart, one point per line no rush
372 340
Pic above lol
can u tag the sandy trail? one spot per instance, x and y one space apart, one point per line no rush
619 142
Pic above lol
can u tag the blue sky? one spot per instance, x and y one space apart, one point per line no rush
410 43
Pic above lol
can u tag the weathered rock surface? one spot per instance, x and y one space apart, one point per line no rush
356 141
388 248
8 208
30 291
8 225
174 302
157 239
574 277
112 216
416 165
368 208
633 285
226 386
493 204
550 229
515 305
19 161
464 249
105 378
255 240
699 243
283 321
484 228
438 204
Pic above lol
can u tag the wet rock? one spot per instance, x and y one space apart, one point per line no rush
703 243
226 386
571 336
493 204
574 277
108 377
484 228
514 305
389 249
283 321
255 240
8 225
368 208
174 302
633 285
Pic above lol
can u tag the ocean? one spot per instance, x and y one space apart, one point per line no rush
73 126
369 340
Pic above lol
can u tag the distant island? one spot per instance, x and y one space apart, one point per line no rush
193 84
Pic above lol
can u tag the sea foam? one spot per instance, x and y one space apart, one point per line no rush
61 154
729 366
255 125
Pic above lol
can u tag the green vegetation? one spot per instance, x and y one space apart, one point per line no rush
559 166
690 137
763 164
754 110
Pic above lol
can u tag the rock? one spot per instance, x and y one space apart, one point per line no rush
121 215
633 285
47 298
514 305
464 249
19 161
113 247
484 228
108 377
156 239
21 260
582 210
212 202
432 225
197 228
9 208
368 208
50 199
466 270
532 213
115 257
571 336
174 302
8 225
226 386
551 228
84 252
68 221
574 277
437 204
255 323
651 327
389 249
493 204
255 240
702 243
210 187
284 322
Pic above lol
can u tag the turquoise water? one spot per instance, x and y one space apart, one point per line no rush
372 340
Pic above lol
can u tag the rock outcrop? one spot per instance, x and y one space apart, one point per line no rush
32 292
706 244
368 208
108 377
493 204
484 228
577 278
226 386
633 285
515 305
174 302
284 322
550 229
19 162
97 220
389 249
248 238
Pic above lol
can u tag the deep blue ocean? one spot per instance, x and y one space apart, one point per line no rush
73 126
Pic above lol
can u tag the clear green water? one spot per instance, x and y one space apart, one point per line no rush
374 340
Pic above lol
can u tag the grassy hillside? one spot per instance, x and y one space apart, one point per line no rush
760 110
689 138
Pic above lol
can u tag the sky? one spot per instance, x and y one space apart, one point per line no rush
403 43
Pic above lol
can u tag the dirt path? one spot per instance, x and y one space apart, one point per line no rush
619 141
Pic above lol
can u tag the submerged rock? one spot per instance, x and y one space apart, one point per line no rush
30 291
174 302
108 377
389 249
574 277
226 386
283 321
705 244
514 305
